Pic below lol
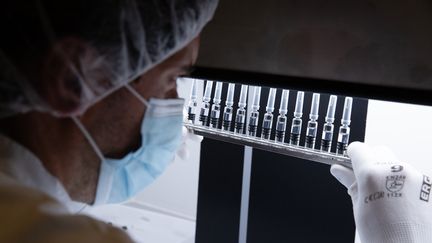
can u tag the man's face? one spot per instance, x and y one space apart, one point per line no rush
115 122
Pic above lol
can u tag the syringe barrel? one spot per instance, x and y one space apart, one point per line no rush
204 113
343 140
267 125
346 115
296 128
192 111
207 92
271 100
253 123
298 112
331 109
311 133
214 115
327 137
227 118
281 124
240 120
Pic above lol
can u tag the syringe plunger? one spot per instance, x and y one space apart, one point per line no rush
344 129
327 135
228 110
205 108
282 119
230 95
312 125
241 111
208 90
331 109
296 125
243 96
192 103
271 100
254 116
218 92
193 95
216 108
256 98
298 112
284 102
346 116
314 107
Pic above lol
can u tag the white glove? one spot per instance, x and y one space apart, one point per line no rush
391 200
187 137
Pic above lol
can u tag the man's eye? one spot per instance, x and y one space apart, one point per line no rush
186 72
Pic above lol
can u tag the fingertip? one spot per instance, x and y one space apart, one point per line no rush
353 147
334 170
360 154
343 174
337 169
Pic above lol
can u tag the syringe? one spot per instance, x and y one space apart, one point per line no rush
344 129
297 121
254 116
241 111
228 110
327 135
268 116
281 122
192 103
312 126
205 107
215 111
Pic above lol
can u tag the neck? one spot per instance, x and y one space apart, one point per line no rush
62 149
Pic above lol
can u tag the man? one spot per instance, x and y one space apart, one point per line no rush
89 115
89 109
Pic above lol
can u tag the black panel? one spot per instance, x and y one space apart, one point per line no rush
294 200
291 200
220 182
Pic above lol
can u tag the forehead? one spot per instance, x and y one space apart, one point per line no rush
184 57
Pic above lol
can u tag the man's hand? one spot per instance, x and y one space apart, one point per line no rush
391 199
187 137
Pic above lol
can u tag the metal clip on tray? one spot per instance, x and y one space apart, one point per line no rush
269 145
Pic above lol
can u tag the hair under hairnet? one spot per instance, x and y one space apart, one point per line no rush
122 40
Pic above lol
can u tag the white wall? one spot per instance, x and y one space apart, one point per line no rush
404 128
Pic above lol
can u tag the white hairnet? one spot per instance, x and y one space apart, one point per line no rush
122 40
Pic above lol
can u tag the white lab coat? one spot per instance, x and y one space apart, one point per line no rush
35 207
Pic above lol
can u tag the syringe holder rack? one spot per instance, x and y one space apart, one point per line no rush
269 145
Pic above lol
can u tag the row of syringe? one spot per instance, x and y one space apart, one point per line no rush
281 123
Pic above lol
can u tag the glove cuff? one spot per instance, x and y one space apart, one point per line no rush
407 232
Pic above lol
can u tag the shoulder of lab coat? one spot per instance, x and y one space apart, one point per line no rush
26 169
35 207
28 215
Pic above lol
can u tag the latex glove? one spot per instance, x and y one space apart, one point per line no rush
187 138
391 200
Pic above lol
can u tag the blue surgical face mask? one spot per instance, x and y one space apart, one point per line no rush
121 179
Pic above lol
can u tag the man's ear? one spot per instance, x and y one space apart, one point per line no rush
62 83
